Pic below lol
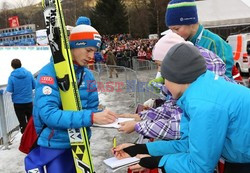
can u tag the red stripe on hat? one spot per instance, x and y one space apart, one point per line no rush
82 36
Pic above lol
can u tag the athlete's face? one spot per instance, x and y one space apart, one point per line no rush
83 55
185 31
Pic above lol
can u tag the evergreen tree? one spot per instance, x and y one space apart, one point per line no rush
110 17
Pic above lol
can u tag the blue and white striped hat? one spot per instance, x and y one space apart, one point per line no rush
84 36
181 12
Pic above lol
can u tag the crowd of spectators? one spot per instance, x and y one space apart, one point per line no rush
124 47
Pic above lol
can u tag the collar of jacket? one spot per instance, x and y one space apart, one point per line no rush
194 38
78 69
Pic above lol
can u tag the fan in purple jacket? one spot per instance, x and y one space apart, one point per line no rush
164 121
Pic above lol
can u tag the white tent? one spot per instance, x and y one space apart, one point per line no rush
219 13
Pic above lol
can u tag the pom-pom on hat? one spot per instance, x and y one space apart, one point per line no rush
82 20
183 64
84 36
181 12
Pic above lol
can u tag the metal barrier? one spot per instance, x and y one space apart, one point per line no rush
141 64
3 130
135 63
147 93
125 82
134 82
8 119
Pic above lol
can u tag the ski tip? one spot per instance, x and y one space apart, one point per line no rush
46 3
43 3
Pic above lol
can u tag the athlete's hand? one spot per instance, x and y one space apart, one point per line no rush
104 117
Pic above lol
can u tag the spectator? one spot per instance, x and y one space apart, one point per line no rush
21 84
98 61
149 53
208 132
182 18
236 75
164 121
141 54
111 62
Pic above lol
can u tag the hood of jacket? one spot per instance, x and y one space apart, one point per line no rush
19 73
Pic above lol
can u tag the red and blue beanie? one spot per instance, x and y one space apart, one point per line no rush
181 12
83 36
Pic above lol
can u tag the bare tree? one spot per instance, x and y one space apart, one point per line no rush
5 12
72 9
138 18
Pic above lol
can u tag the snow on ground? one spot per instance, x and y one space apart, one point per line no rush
11 160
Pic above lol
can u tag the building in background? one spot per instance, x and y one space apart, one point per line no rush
23 35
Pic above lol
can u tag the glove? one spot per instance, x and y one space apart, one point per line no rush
150 162
136 149
1 91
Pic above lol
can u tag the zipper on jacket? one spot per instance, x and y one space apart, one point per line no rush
50 136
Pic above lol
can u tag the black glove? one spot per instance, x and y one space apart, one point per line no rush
150 162
136 149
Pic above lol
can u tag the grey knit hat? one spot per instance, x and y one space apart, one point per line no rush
183 64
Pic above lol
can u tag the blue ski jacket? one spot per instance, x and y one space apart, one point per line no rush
215 123
20 84
217 45
47 107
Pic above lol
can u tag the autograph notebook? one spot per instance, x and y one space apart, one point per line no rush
114 164
114 124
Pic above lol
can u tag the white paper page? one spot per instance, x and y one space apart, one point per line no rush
114 163
115 124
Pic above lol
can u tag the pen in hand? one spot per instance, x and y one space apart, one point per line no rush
114 143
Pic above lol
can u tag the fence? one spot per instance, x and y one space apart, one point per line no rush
125 81
141 64
8 119
135 63
134 80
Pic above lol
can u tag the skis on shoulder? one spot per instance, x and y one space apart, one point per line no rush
58 41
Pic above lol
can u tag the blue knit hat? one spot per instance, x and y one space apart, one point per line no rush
181 12
84 36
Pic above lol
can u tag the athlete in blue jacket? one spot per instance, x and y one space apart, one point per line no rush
215 121
51 122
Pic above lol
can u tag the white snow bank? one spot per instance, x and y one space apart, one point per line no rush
33 58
